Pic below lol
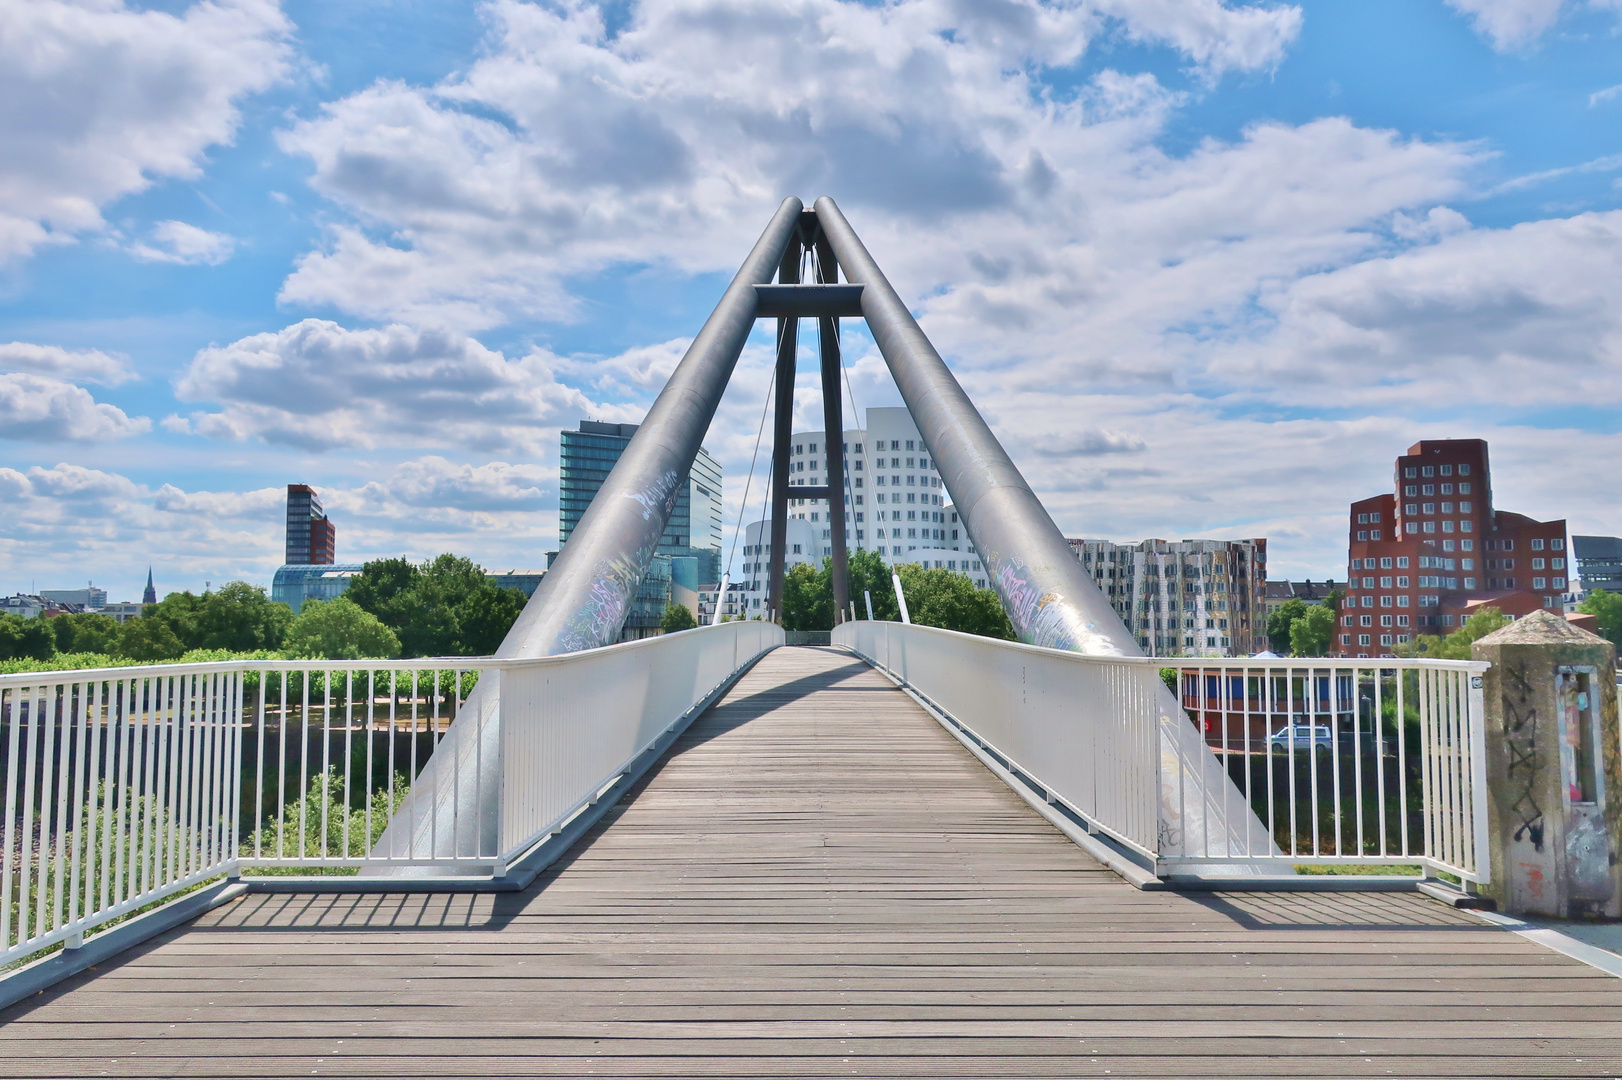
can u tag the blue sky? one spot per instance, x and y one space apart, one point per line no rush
1206 266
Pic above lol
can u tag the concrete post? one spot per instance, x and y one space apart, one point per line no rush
1552 755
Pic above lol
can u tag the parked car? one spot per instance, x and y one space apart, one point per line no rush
1305 737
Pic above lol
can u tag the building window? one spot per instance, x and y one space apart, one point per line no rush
1537 545
1557 545
1409 472
1413 527
1385 601
1427 470
1464 470
1362 639
1345 639
1362 519
1374 534
1537 564
1540 583
1385 620
1362 535
1430 526
1365 620
1385 639
1560 583
1465 525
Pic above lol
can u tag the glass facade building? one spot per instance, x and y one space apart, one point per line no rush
694 530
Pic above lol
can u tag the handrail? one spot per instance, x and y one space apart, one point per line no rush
1267 764
120 787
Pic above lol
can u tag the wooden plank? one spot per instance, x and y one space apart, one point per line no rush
819 881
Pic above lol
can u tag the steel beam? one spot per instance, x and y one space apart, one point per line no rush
809 301
833 426
788 344
1049 599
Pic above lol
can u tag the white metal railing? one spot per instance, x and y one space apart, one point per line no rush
1269 763
125 786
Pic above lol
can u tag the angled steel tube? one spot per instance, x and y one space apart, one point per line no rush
584 598
1049 598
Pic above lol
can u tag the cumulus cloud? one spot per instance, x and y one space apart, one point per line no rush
318 385
569 148
80 365
34 408
1525 316
178 242
102 99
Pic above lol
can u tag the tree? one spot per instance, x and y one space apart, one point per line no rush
1607 608
1311 634
30 639
677 618
444 607
1456 646
1279 622
86 632
808 597
949 600
869 573
339 629
149 639
238 618
379 582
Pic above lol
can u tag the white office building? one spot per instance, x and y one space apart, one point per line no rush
895 505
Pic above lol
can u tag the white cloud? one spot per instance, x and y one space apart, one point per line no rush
34 408
178 242
1510 24
1610 93
567 150
319 385
103 99
1217 37
1513 318
1516 24
81 365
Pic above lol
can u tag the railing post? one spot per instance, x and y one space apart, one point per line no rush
1476 725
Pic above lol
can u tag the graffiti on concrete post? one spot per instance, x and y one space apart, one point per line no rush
1525 760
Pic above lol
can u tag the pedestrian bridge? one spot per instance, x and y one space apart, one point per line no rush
819 877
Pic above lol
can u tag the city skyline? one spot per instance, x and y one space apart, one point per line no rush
1203 265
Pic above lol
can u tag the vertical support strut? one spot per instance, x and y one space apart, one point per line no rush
834 430
788 341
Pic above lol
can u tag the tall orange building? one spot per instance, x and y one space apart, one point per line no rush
1424 556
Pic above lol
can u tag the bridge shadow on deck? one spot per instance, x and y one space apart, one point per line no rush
819 881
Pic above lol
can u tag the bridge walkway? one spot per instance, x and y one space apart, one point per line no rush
820 881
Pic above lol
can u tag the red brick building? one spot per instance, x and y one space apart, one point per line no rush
1423 556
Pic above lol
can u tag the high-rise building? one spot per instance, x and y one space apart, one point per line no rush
586 457
1423 557
312 540
1599 562
312 571
1185 597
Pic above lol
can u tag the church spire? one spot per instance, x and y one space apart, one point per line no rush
151 594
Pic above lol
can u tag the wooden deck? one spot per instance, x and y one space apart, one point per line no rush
821 882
